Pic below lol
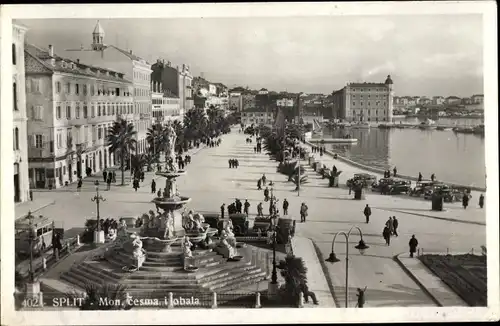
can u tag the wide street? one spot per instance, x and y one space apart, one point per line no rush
210 182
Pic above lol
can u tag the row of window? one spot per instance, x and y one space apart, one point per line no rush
370 112
377 103
369 90
16 139
141 76
142 92
256 114
165 113
77 89
99 109
369 96
165 101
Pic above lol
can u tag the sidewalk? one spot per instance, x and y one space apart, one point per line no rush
440 293
37 204
304 248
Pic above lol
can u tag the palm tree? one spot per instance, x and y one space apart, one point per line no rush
155 138
180 133
195 124
121 141
138 161
296 179
294 271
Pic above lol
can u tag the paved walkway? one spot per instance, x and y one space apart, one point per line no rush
304 248
437 289
34 206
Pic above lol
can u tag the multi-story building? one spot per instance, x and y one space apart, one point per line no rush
478 98
136 69
284 102
248 99
21 177
453 100
364 101
186 88
70 108
166 106
437 100
235 101
257 116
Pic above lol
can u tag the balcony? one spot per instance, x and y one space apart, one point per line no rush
145 116
78 122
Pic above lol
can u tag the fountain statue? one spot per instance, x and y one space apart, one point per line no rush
186 247
225 242
133 245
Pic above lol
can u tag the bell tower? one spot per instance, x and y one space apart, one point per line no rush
98 38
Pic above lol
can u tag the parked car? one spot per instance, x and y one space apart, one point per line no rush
262 223
240 223
382 185
444 189
400 187
421 187
364 178
214 221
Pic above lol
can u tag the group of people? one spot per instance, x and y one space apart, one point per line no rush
390 229
182 162
258 148
318 149
387 174
233 163
213 143
235 207
420 177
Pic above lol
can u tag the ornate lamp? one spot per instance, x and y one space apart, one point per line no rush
361 246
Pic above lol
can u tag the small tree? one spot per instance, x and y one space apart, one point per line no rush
294 271
121 141
297 181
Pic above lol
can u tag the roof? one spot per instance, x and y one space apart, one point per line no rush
367 85
477 95
388 81
43 57
98 29
453 97
168 93
129 54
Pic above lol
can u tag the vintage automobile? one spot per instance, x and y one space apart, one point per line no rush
40 228
382 185
445 190
262 223
240 223
421 187
400 187
364 178
214 221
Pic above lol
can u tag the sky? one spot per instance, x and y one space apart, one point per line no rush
424 54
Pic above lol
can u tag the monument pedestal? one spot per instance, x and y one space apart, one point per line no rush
99 237
272 288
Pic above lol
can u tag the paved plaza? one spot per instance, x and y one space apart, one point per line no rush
210 182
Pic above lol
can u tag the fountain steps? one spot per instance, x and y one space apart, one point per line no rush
231 276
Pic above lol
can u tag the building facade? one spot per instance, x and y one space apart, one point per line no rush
166 106
477 99
364 102
453 100
437 100
20 126
235 101
70 107
257 116
186 88
285 102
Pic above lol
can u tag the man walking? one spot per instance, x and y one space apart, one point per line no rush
238 205
386 233
303 212
481 201
395 171
104 175
259 210
367 212
246 207
264 179
79 185
465 200
285 207
395 224
361 297
259 184
413 245
153 186
266 194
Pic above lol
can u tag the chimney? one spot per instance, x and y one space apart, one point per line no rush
51 50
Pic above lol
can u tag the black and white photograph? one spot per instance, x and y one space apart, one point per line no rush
248 162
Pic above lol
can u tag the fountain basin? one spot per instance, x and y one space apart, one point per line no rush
171 174
173 203
191 269
211 232
235 258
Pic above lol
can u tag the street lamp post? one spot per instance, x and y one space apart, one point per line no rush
98 234
333 258
31 237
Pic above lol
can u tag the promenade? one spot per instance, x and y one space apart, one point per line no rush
210 182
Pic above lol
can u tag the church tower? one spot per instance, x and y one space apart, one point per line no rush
390 98
98 38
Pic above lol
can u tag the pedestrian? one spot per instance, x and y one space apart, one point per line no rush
419 177
303 212
481 200
361 297
271 208
153 186
114 177
222 210
246 207
395 171
367 211
31 196
259 210
395 224
158 193
135 184
386 233
79 185
285 207
237 163
465 200
142 176
259 184
413 245
433 177
309 294
104 175
108 182
255 149
238 205
334 170
264 179
230 161
390 225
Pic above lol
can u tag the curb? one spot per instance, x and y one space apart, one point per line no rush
416 280
321 259
449 219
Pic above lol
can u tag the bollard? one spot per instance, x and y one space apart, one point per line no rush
78 240
214 300
44 263
56 253
170 300
257 300
40 299
301 299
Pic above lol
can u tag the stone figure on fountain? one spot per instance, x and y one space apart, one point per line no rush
122 234
170 137
226 242
169 226
229 233
134 246
186 247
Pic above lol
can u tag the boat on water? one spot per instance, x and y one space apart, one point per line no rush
385 126
464 130
443 128
479 130
360 125
427 124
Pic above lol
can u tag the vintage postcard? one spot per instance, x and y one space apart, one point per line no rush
249 163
